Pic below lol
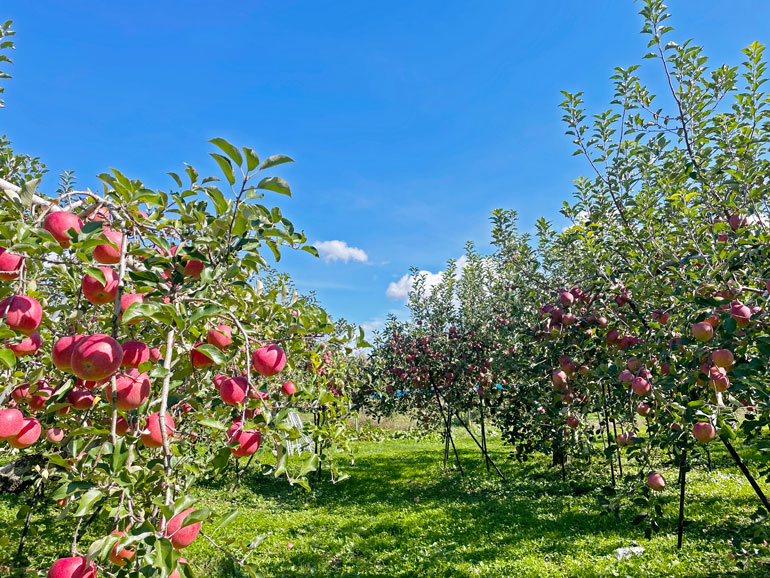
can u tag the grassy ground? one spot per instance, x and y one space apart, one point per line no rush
400 514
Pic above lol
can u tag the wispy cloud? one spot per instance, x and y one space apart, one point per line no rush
340 251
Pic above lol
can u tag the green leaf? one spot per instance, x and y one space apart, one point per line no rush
213 353
177 179
226 166
97 274
226 520
218 199
275 184
205 312
87 501
252 160
212 423
8 358
275 160
140 311
230 150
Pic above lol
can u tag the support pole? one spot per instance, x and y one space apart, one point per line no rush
747 473
682 480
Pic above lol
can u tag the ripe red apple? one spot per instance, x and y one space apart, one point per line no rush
11 422
626 376
82 399
704 431
99 293
269 360
74 567
220 336
566 298
718 378
28 435
59 223
193 268
634 364
121 426
42 394
21 313
703 331
233 390
10 265
106 253
27 346
21 393
737 221
643 409
219 379
133 389
199 359
155 355
573 422
152 436
124 555
656 482
741 313
624 439
559 379
55 435
182 536
96 357
613 336
641 386
288 388
248 441
135 353
61 354
127 300
723 358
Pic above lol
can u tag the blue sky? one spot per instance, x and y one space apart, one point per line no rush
409 121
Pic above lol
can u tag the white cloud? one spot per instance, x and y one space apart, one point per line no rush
399 290
340 251
373 325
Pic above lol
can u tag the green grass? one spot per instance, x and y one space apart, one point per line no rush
535 525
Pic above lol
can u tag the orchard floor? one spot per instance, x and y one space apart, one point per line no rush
401 515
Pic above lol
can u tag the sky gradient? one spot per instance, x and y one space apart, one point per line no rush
409 121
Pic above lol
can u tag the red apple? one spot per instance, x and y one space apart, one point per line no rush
182 536
21 313
703 331
220 336
133 389
27 346
704 432
99 293
155 355
741 313
121 426
643 409
124 555
656 482
626 376
28 435
199 359
96 357
55 435
11 422
61 354
269 360
559 380
74 567
641 386
233 390
43 393
127 300
10 265
59 223
135 353
106 253
723 358
219 379
573 422
175 573
82 399
288 388
152 437
248 441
